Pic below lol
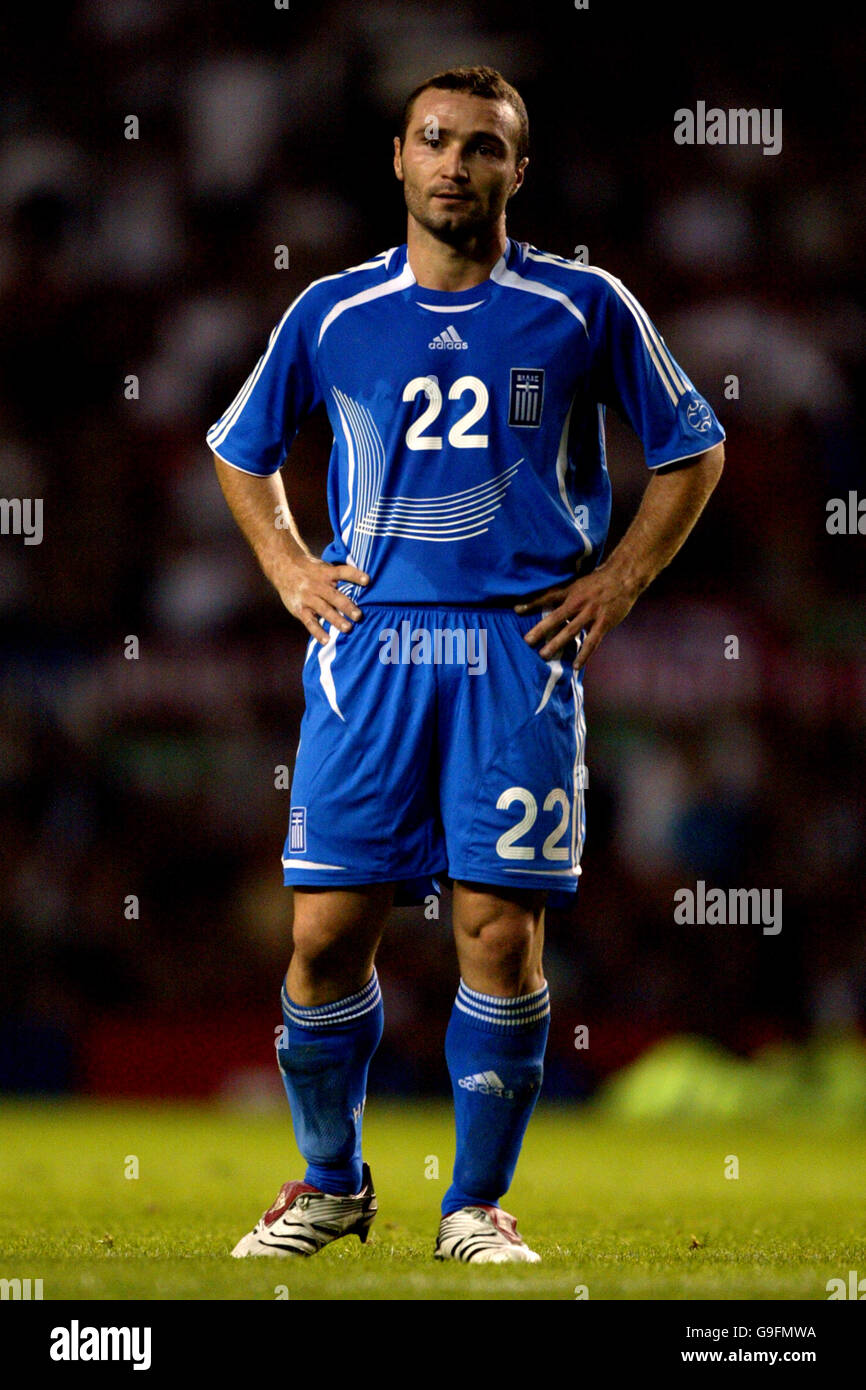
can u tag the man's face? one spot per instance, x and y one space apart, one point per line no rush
458 163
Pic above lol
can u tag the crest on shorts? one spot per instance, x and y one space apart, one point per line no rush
526 396
298 829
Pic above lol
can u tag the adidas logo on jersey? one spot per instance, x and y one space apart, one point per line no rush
448 338
487 1083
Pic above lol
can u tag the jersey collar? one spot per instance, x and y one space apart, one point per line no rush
456 299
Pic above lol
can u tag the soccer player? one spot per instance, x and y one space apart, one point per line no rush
465 377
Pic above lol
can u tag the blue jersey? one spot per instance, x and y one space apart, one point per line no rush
468 464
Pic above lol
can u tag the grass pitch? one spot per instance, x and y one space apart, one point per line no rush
626 1211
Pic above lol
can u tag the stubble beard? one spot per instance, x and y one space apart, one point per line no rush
456 229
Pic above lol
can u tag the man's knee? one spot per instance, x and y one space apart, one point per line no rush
336 933
499 915
499 936
316 937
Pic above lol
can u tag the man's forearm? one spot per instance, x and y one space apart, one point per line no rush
261 510
669 508
599 600
307 585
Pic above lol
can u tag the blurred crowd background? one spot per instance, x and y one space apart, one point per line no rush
155 778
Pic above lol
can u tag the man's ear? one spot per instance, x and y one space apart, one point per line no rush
398 158
518 175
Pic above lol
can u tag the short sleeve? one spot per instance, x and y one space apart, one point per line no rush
255 433
638 376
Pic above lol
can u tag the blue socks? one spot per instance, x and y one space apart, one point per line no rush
494 1048
324 1057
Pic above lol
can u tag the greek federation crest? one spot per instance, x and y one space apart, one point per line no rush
298 829
526 396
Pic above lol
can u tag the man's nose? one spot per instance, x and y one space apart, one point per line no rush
453 165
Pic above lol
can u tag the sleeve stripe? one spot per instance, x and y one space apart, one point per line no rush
217 433
660 359
239 468
655 335
663 463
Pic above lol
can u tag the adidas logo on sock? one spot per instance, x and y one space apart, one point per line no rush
487 1083
448 338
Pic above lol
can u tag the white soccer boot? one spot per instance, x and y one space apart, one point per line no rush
482 1235
303 1219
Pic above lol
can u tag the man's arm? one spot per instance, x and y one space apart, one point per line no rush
306 585
669 509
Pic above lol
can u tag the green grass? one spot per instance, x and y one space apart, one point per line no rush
632 1211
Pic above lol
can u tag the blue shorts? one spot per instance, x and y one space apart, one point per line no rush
436 741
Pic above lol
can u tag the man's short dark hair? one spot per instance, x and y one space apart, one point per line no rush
478 82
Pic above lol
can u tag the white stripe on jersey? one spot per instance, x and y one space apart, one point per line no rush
350 449
367 449
678 377
400 282
452 516
664 364
561 468
217 433
450 308
513 281
448 500
680 457
236 466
